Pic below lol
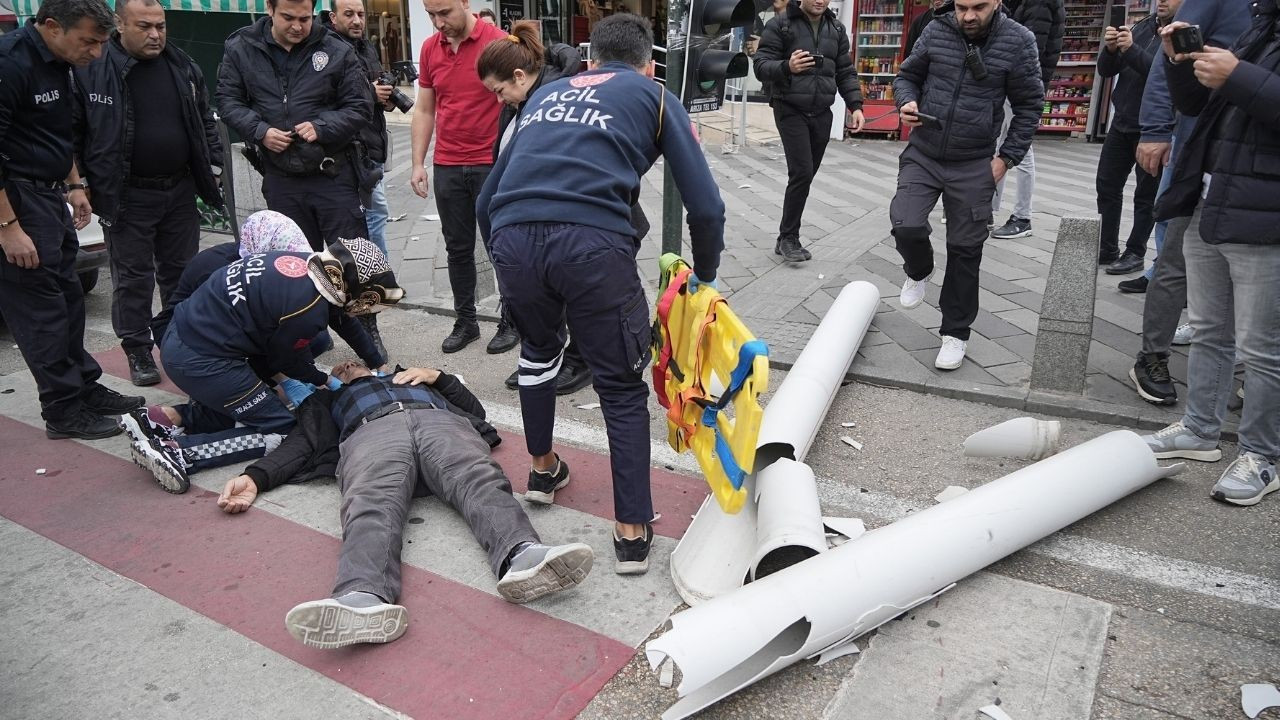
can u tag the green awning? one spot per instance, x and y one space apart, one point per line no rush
27 8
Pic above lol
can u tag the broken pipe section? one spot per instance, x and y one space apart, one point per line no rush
781 523
731 641
1022 437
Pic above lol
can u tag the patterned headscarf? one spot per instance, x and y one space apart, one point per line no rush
354 275
269 231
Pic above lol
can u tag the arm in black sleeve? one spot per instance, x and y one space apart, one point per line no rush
698 189
313 442
914 69
846 76
355 105
456 393
772 55
290 336
1255 90
1026 97
210 125
1189 96
1110 62
563 60
357 337
234 102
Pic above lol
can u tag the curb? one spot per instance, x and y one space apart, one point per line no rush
1075 407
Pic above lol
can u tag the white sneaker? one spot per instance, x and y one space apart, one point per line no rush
913 292
1182 336
951 354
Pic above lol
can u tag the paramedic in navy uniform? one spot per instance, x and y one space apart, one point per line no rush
581 147
40 296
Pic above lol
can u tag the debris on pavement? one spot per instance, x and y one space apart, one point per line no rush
851 442
397 218
1255 698
40 471
848 424
994 712
589 406
838 651
951 492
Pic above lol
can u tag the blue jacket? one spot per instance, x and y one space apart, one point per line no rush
266 305
1221 22
580 149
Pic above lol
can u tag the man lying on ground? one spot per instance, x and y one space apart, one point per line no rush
388 440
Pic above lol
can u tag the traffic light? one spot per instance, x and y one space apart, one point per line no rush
708 60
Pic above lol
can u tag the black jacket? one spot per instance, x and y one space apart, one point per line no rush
1047 20
935 77
104 127
918 25
815 89
1132 67
1236 139
373 136
321 82
310 451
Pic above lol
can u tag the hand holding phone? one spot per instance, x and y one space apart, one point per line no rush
1187 40
929 121
1119 16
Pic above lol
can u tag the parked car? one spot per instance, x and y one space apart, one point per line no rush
92 255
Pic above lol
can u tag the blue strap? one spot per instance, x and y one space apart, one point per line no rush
728 463
746 358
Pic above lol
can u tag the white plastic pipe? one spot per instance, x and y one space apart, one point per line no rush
734 640
719 551
1022 437
789 527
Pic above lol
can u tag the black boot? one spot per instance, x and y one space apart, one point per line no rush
142 368
102 400
83 425
370 324
572 377
464 333
503 340
790 250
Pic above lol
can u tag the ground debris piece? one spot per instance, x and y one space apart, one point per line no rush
852 528
838 651
397 218
744 186
1258 697
589 406
994 713
432 218
667 673
850 442
951 492
40 471
848 424
656 517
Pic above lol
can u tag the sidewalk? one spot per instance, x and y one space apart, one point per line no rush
847 229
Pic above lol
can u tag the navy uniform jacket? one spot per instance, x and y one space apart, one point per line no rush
266 305
35 109
581 146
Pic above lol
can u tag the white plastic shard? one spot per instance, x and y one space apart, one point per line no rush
950 493
789 526
1022 437
851 528
718 551
832 653
994 712
1258 697
733 640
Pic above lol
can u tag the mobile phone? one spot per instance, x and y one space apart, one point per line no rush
1119 16
817 59
930 121
1187 39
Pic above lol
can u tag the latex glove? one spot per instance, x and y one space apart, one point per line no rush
695 282
296 390
333 383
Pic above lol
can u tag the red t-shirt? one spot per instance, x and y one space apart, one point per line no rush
466 113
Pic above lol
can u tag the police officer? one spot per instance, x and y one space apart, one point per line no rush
555 213
149 145
298 94
40 296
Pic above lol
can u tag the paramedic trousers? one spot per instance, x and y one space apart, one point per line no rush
549 273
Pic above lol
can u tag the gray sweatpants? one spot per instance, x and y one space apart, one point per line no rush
380 465
1166 293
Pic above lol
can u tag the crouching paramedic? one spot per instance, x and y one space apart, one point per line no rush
581 146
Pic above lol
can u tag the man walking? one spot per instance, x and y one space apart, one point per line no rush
298 95
948 77
1127 52
451 96
149 146
804 56
40 296
1047 20
556 216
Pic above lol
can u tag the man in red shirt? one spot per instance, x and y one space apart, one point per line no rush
451 96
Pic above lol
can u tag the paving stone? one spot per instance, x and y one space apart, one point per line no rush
1024 346
1101 386
998 285
901 363
1022 318
1029 300
905 332
1103 358
1034 284
992 302
992 326
969 371
1005 271
1016 374
986 352
1116 337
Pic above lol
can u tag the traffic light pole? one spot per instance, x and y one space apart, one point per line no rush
672 205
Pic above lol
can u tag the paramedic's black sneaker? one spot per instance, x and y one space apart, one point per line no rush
464 333
536 570
142 369
513 380
503 340
632 553
543 485
83 425
354 618
572 378
100 399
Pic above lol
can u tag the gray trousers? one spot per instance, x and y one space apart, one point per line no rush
1167 292
380 465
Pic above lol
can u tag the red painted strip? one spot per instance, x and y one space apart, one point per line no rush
466 655
115 363
590 490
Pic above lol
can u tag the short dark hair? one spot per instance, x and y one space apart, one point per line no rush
69 13
122 4
622 37
333 5
486 12
272 4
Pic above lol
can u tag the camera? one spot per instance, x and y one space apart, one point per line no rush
1187 39
402 102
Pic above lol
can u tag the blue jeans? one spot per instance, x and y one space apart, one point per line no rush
1232 293
1166 179
1025 170
376 216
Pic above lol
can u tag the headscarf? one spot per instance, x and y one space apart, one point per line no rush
269 231
354 275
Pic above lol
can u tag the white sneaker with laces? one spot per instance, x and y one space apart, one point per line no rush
951 354
1182 336
913 292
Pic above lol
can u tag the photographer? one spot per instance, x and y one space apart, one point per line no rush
1227 179
952 91
302 139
